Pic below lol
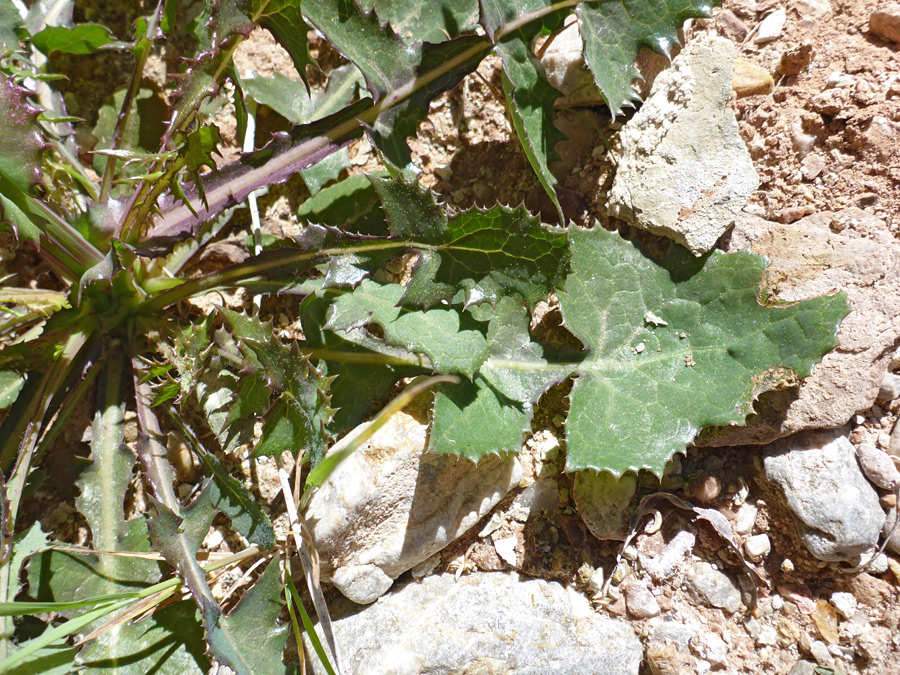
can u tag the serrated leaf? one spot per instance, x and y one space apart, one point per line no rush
643 389
634 407
301 411
284 20
388 64
229 496
9 23
85 38
530 96
362 375
426 20
449 339
21 145
614 31
492 413
10 385
251 636
485 253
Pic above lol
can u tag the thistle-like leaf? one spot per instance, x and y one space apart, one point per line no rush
613 32
484 253
251 637
300 410
670 347
529 95
426 20
390 66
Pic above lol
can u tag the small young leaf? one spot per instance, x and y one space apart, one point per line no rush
449 339
301 411
85 38
10 386
613 32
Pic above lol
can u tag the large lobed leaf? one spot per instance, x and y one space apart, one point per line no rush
613 31
670 347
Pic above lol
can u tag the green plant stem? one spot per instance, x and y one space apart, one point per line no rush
36 411
143 48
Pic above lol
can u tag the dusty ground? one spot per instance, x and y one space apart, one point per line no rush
816 147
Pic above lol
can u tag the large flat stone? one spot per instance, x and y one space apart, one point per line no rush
683 169
390 505
484 623
850 251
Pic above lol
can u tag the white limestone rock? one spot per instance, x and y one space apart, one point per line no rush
683 169
836 509
389 506
485 623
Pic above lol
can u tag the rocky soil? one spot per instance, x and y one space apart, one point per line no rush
767 555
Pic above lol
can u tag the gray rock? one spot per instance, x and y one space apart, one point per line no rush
861 259
484 623
671 559
890 387
683 170
891 530
712 587
602 501
878 466
389 506
674 632
639 599
803 668
837 511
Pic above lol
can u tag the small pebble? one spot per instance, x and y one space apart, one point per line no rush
890 387
820 652
640 601
757 547
745 518
770 28
811 166
878 466
844 603
707 489
750 79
